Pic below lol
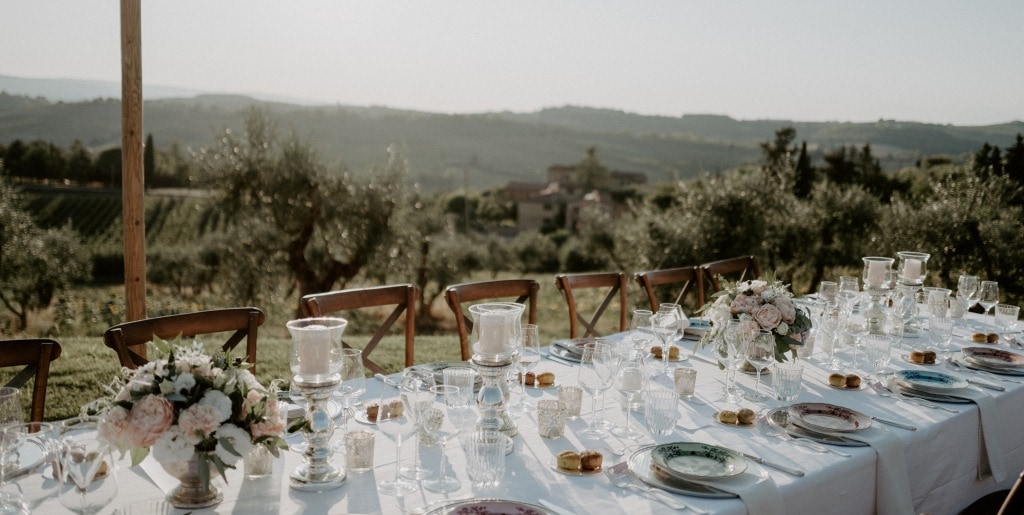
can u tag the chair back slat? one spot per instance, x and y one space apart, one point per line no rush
402 296
35 356
746 266
523 291
666 281
614 286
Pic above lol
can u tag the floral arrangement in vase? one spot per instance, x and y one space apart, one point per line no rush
190 404
767 305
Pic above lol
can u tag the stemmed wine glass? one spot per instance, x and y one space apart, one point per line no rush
967 290
87 470
760 353
630 380
415 385
988 295
596 371
728 349
664 324
28 453
828 291
855 327
396 418
353 380
529 356
831 320
446 399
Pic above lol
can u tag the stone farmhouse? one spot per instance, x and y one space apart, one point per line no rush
560 202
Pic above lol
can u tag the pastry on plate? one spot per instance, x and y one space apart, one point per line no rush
590 460
569 460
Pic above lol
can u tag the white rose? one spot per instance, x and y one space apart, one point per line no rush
782 329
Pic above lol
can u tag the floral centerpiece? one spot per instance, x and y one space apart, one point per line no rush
767 305
190 405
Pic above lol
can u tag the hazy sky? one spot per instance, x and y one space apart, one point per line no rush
942 61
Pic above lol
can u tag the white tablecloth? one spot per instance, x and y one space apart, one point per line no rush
941 457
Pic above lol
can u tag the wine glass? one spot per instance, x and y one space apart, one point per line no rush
396 418
760 353
828 291
630 380
596 371
728 347
88 481
831 320
855 327
26 466
664 324
967 289
988 295
640 332
446 398
353 380
529 356
849 290
415 385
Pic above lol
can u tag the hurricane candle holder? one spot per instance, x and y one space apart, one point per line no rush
876 276
496 327
910 274
316 362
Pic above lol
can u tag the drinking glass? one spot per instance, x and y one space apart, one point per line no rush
665 323
415 385
28 452
967 289
831 321
529 356
682 322
461 377
941 332
828 291
485 458
445 398
596 371
1006 317
352 386
878 352
849 290
786 380
396 418
661 411
630 380
87 471
728 349
855 327
988 295
640 327
760 353
10 405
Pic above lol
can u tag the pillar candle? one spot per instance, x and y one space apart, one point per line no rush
912 269
315 352
876 273
492 334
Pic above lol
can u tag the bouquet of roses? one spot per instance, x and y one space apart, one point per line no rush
188 403
767 305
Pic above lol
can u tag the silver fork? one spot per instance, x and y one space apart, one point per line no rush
620 477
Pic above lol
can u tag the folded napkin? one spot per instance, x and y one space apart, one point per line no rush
892 483
992 461
573 347
757 492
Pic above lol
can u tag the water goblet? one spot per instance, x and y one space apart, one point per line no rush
856 328
728 349
664 324
682 322
396 418
27 463
760 353
529 356
1006 317
88 481
988 295
445 399
595 374
831 322
415 385
849 290
828 291
967 289
786 380
630 380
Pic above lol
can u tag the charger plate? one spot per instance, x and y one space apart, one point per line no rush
994 358
640 466
779 418
825 417
694 460
929 381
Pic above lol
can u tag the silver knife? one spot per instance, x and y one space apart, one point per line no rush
776 466
986 385
893 423
386 380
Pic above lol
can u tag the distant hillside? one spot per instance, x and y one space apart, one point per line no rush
493 148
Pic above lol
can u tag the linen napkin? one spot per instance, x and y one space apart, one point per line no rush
892 482
992 461
758 492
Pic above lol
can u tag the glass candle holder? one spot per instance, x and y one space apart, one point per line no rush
913 267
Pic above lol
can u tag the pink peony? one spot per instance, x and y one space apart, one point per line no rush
150 417
785 305
757 286
113 428
743 304
198 421
767 316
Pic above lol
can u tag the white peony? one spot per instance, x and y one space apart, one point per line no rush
237 438
184 382
220 402
172 446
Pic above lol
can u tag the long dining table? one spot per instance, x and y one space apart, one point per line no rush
944 456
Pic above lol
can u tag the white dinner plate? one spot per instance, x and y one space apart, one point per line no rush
694 460
994 358
641 467
822 416
930 381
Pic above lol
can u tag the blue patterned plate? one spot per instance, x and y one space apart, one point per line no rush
928 381
693 460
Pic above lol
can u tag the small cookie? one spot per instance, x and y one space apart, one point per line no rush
727 417
979 337
371 412
992 338
569 460
745 416
656 351
837 380
853 381
531 378
917 357
929 357
546 378
590 460
673 353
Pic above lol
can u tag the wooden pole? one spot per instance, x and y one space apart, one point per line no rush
132 189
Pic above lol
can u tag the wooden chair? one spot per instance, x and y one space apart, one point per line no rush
35 356
523 291
612 284
684 280
401 296
129 339
745 266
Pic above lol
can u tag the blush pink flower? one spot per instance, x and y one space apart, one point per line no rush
767 316
113 428
198 422
150 417
786 307
272 424
743 304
